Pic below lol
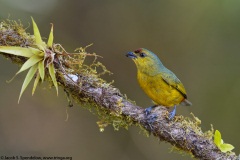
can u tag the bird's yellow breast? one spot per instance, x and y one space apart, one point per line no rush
158 90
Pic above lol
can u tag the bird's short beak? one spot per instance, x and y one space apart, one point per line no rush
131 55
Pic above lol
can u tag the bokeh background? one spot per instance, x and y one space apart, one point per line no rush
199 40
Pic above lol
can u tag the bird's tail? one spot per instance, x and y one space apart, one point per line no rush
186 102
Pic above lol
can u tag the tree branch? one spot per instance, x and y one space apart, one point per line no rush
114 108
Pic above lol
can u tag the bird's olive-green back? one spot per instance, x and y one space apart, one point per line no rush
151 65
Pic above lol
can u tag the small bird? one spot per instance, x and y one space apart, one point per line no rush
158 82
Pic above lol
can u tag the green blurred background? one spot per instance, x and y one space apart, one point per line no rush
199 40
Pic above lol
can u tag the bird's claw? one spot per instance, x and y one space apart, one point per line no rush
148 110
172 113
151 118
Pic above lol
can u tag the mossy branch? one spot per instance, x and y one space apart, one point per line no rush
114 108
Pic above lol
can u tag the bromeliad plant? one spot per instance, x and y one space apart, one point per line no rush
39 57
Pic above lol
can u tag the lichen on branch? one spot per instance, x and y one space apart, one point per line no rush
84 84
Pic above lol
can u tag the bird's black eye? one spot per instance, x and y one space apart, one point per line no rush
142 55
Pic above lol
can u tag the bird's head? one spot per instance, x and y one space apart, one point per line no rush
145 60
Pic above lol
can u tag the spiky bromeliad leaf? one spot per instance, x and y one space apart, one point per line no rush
35 83
27 79
53 76
38 38
36 58
50 39
41 70
19 51
29 63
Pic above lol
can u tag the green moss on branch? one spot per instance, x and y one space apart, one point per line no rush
84 84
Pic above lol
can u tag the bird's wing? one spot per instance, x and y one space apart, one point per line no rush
172 80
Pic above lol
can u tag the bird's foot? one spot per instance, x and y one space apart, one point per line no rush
172 113
149 109
151 118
